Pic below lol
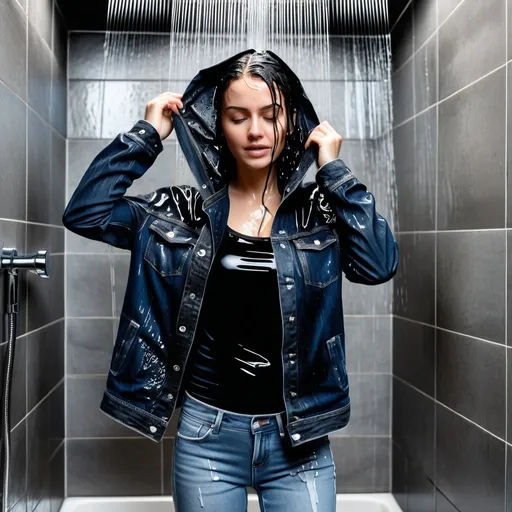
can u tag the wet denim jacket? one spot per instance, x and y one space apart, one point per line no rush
320 230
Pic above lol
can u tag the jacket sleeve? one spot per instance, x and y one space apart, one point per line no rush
98 209
368 249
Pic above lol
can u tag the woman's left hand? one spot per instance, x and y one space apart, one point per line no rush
329 142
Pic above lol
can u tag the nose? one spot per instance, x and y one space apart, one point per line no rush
255 129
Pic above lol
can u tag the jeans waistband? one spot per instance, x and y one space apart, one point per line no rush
217 417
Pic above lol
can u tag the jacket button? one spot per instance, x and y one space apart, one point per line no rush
293 394
142 132
170 396
201 252
296 437
192 296
282 232
289 286
291 319
182 328
283 246
317 242
176 368
152 429
170 234
292 361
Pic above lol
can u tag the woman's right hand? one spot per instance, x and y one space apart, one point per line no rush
159 112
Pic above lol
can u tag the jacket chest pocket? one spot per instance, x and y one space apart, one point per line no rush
319 257
168 248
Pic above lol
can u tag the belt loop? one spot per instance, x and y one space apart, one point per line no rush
280 423
218 421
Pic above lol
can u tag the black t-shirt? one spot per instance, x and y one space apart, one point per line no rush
236 362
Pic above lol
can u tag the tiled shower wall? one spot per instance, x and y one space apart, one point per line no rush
33 56
105 458
451 339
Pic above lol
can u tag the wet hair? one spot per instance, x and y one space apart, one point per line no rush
263 65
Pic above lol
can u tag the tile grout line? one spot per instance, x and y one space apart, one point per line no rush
430 37
450 96
436 228
433 232
162 468
166 438
437 402
70 317
66 236
25 243
186 81
45 326
54 388
30 223
476 338
33 110
103 376
506 258
400 16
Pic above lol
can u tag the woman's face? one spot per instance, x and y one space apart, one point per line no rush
247 120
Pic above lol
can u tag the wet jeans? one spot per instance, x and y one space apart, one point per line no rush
217 454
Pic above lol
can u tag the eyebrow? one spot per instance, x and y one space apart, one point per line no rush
246 109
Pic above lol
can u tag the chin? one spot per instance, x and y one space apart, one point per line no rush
257 164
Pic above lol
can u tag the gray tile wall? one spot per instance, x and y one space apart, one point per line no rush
451 348
107 99
33 105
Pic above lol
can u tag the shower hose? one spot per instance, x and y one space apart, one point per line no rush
6 399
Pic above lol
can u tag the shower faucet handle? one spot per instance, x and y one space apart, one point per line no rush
42 264
38 263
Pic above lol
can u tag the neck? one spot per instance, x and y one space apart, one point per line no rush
248 181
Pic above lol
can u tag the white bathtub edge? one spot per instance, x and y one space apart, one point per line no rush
70 504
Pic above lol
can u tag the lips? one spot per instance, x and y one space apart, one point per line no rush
257 151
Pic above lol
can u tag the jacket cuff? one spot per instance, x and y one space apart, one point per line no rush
147 136
333 174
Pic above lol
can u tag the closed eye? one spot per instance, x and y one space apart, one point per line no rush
270 119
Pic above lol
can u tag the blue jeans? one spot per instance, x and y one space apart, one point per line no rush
217 454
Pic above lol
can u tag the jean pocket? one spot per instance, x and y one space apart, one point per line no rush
192 429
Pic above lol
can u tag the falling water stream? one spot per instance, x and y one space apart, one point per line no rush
347 75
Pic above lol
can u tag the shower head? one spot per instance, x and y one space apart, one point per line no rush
344 17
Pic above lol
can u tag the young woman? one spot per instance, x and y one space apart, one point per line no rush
233 306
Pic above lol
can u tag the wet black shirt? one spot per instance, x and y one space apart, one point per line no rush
236 361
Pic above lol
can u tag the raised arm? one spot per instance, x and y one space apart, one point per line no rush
368 249
98 208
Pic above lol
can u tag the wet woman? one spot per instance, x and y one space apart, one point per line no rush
233 308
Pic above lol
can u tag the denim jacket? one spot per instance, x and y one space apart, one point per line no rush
320 230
